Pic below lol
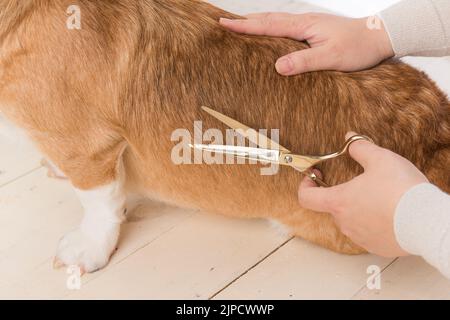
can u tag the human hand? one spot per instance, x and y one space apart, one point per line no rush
364 207
337 43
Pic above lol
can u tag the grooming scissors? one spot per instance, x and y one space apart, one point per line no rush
274 153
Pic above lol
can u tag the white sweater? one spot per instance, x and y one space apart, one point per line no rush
419 27
422 218
422 225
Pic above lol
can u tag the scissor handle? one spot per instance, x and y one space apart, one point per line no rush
304 162
343 150
345 147
355 138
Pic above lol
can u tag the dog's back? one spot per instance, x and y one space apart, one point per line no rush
400 107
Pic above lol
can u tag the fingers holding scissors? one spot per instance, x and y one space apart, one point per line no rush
364 207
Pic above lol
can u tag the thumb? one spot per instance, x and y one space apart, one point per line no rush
363 151
313 59
312 197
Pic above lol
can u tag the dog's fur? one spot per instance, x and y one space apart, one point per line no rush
139 69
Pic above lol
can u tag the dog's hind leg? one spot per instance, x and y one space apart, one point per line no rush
93 164
92 243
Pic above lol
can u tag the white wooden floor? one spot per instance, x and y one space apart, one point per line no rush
167 252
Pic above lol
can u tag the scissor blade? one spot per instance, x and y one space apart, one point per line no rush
245 131
255 154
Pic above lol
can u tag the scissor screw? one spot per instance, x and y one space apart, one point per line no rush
288 159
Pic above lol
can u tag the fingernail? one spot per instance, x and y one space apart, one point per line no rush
284 65
350 134
225 20
318 173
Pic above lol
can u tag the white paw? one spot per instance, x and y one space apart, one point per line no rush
90 254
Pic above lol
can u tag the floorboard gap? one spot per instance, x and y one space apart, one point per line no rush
363 287
20 176
250 269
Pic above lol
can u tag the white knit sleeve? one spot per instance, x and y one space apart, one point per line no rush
419 27
422 225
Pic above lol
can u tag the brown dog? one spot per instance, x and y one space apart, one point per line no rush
103 101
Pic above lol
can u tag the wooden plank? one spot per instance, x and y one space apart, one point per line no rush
409 278
16 160
194 260
36 211
300 270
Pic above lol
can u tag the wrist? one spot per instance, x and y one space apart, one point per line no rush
386 48
378 37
